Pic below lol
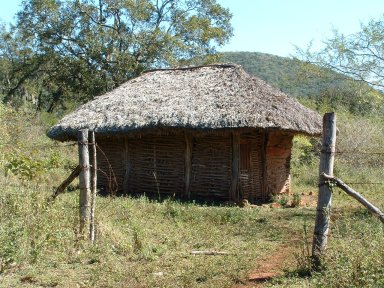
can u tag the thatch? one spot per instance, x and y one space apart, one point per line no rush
207 97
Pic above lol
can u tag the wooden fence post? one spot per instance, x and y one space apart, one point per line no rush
93 184
324 201
84 181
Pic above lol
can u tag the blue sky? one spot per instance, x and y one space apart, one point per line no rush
275 26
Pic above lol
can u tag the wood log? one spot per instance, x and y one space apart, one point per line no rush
66 182
356 195
84 182
324 201
207 252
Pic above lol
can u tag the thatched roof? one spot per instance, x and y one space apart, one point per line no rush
207 97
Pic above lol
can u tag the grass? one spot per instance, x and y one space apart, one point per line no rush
140 243
146 243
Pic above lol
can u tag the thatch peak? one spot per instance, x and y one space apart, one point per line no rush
205 97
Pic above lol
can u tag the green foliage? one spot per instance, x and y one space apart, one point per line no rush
61 52
31 167
324 88
357 55
306 150
25 150
282 199
25 167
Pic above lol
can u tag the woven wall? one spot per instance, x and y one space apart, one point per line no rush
251 166
155 163
278 158
149 164
111 163
211 166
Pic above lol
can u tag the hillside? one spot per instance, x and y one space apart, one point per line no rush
309 82
276 70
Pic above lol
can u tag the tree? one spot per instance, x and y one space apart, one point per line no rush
357 58
359 55
76 49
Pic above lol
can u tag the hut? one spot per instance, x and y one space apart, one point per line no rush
208 132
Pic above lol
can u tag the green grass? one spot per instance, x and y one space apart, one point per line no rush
146 243
140 243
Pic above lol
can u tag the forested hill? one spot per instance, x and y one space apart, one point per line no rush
278 71
307 81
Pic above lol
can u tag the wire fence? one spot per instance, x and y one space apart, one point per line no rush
37 146
110 174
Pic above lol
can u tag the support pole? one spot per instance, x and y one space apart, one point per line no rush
235 166
354 194
188 164
84 182
324 201
66 182
93 185
127 166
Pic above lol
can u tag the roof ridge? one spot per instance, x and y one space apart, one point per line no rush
218 65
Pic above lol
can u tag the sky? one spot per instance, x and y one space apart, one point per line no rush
277 26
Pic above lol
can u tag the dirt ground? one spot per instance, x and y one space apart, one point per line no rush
283 257
271 266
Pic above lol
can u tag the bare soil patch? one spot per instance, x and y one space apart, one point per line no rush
271 266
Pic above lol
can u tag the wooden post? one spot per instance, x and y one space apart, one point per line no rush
93 185
372 208
188 164
66 182
264 171
325 194
235 165
84 181
127 166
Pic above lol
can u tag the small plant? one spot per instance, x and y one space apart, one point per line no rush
232 215
137 239
296 200
283 200
172 209
303 258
